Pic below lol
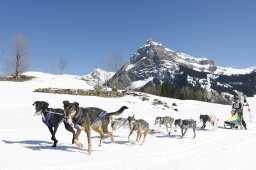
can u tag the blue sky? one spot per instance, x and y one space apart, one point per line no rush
87 32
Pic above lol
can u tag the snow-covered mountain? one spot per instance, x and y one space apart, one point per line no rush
98 76
154 64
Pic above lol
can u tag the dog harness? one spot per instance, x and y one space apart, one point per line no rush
46 118
101 115
122 124
134 126
76 125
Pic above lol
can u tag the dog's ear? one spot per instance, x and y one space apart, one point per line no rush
129 118
46 105
133 116
76 104
35 103
65 102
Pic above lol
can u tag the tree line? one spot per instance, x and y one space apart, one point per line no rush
167 89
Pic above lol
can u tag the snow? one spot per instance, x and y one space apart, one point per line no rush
140 83
98 76
44 80
233 71
129 66
25 141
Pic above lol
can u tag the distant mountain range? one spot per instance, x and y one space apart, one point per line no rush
153 64
98 77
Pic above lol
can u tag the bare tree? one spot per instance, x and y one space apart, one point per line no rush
19 60
114 63
62 64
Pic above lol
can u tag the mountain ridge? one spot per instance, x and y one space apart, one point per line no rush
155 63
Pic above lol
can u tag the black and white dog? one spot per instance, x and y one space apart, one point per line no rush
204 119
184 125
209 118
52 118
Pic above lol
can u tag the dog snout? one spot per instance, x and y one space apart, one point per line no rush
68 120
38 112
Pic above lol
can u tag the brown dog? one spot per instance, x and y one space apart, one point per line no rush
87 118
139 126
167 121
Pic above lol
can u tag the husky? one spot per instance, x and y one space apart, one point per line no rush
139 126
119 123
87 118
209 118
167 121
184 125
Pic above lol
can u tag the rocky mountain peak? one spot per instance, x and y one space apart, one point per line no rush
153 63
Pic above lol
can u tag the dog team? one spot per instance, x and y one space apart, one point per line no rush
85 119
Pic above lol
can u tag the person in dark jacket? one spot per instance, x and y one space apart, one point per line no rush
238 107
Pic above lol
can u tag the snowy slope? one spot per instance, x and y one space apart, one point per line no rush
25 141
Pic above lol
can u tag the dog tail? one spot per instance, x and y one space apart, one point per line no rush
118 112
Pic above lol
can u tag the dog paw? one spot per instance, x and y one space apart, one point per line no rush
89 151
80 145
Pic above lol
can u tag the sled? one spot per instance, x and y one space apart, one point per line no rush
235 122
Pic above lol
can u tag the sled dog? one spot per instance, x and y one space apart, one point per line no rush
52 118
119 123
87 118
185 125
209 118
139 126
167 121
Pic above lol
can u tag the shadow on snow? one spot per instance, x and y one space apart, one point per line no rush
39 145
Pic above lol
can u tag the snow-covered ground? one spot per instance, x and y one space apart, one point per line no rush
25 141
